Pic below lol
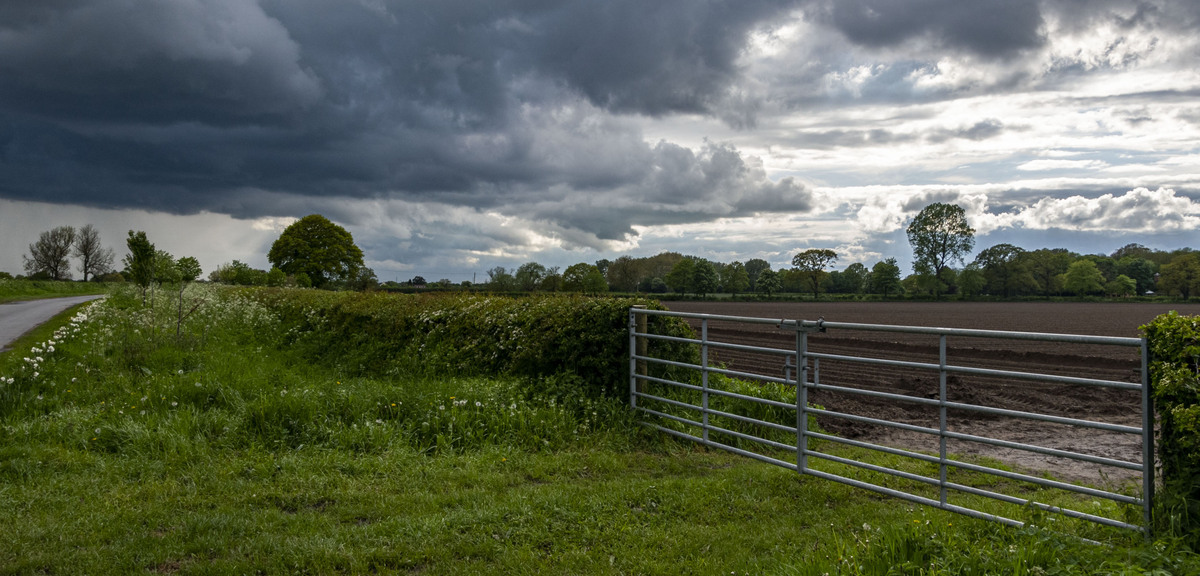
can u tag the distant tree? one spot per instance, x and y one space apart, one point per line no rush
94 259
362 280
1006 270
623 273
500 280
658 286
584 277
140 261
1046 265
680 277
319 248
602 265
553 281
417 281
1132 250
971 280
189 268
1140 270
1107 266
736 279
276 277
768 282
885 277
1122 285
704 277
754 267
812 264
1181 275
49 255
165 270
1083 277
852 280
530 275
939 235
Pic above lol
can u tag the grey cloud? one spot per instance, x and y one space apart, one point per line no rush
988 28
217 61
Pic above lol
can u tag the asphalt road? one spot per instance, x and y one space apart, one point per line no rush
18 318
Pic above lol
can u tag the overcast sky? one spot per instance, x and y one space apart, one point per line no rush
454 136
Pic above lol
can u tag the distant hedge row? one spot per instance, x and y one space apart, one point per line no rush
375 333
1174 343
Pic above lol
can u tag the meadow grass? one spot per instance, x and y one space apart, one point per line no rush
126 448
18 290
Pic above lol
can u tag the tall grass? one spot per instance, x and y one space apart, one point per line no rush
13 290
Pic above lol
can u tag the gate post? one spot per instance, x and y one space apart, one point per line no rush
801 398
637 349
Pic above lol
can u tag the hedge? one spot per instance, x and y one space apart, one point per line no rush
1174 346
468 334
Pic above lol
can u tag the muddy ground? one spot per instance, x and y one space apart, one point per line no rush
1067 400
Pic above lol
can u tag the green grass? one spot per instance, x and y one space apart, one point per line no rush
222 451
18 290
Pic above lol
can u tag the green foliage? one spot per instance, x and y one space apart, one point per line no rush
885 277
1182 275
1174 343
768 282
679 279
189 268
584 277
11 290
812 264
1083 277
319 248
140 260
468 334
939 235
704 277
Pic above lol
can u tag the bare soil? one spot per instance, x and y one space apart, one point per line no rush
1093 403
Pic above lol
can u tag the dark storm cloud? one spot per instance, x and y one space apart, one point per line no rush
988 28
207 104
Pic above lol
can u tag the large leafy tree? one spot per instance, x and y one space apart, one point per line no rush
704 277
812 264
680 276
1181 275
1084 277
530 275
584 277
735 278
885 277
939 236
49 255
318 248
1006 270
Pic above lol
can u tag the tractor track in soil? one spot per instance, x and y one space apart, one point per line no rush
1093 403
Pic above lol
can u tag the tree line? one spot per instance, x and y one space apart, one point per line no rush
941 240
316 252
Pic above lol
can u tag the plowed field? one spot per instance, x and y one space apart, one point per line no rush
1093 403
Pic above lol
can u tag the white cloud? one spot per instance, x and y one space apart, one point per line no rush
1138 210
1062 165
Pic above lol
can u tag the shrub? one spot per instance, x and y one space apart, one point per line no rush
1174 343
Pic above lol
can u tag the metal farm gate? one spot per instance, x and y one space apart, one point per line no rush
742 396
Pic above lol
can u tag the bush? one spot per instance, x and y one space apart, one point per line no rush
1174 343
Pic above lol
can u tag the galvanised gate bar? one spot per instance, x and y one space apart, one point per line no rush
723 408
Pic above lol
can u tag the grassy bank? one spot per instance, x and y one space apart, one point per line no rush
18 290
129 447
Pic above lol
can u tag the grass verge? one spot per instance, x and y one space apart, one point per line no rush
219 450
